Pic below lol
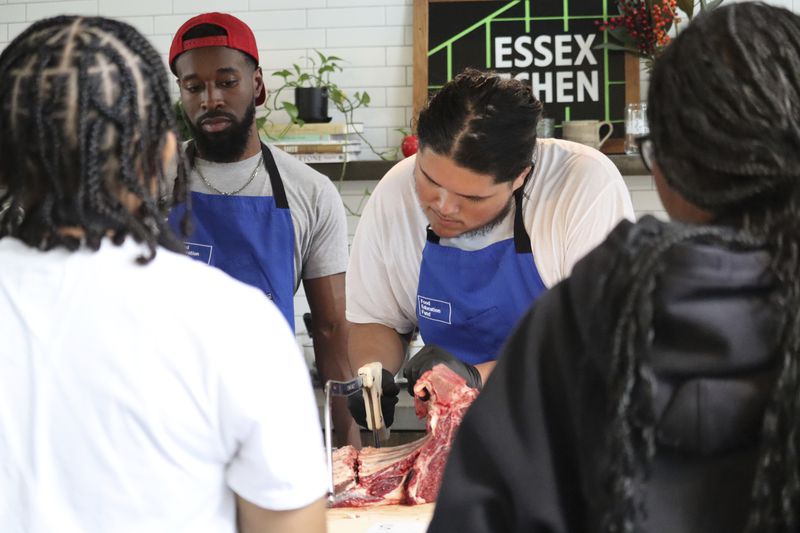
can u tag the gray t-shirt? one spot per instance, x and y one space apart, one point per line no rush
320 226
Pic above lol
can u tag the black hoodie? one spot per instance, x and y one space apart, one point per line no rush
527 456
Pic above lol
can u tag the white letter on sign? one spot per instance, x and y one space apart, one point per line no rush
543 89
585 49
563 48
585 86
502 49
524 51
541 46
563 87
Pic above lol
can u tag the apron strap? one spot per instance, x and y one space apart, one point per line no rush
278 192
432 237
522 241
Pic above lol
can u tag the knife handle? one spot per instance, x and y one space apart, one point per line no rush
372 389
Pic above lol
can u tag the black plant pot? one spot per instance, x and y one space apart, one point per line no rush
312 104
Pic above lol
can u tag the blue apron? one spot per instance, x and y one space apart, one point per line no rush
469 301
249 237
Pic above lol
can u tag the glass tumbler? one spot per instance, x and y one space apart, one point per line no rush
635 126
546 128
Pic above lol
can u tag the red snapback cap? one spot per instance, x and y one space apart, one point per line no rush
239 37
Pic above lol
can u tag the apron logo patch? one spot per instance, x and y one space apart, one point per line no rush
433 309
199 252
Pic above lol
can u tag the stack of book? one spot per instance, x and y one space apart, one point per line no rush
316 143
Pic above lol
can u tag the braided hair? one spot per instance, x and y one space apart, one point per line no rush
724 119
85 115
483 123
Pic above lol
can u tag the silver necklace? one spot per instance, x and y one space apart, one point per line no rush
240 189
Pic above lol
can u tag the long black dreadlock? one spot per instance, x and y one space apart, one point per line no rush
85 117
724 117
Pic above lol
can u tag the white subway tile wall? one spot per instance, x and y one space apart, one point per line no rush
375 38
12 13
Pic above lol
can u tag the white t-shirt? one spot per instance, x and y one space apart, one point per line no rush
320 225
139 398
574 198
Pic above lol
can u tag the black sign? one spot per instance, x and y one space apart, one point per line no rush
548 43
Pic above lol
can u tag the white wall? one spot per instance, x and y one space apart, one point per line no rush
372 36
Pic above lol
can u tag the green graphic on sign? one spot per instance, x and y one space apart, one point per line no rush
548 43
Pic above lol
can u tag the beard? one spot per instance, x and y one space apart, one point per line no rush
489 226
224 146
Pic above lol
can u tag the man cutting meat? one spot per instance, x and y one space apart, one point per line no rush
462 238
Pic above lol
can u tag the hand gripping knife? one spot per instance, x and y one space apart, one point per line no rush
371 376
369 382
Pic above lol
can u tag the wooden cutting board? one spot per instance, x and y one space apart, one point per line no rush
390 518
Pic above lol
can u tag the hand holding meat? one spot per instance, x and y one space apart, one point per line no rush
411 473
389 392
431 355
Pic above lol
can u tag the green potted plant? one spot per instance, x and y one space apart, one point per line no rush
318 77
310 89
313 89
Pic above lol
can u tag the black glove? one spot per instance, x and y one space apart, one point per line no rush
390 390
431 355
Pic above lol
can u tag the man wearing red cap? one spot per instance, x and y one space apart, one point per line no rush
258 213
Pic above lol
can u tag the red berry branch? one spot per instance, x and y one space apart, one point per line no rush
642 26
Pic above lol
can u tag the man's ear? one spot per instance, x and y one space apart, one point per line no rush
258 81
519 181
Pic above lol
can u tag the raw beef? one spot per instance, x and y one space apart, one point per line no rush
449 399
345 461
411 473
378 476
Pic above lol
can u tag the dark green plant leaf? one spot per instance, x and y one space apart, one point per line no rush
687 6
616 47
336 95
622 35
291 110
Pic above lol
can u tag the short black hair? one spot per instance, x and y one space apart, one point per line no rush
483 122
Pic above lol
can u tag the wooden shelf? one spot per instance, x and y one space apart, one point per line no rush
628 165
